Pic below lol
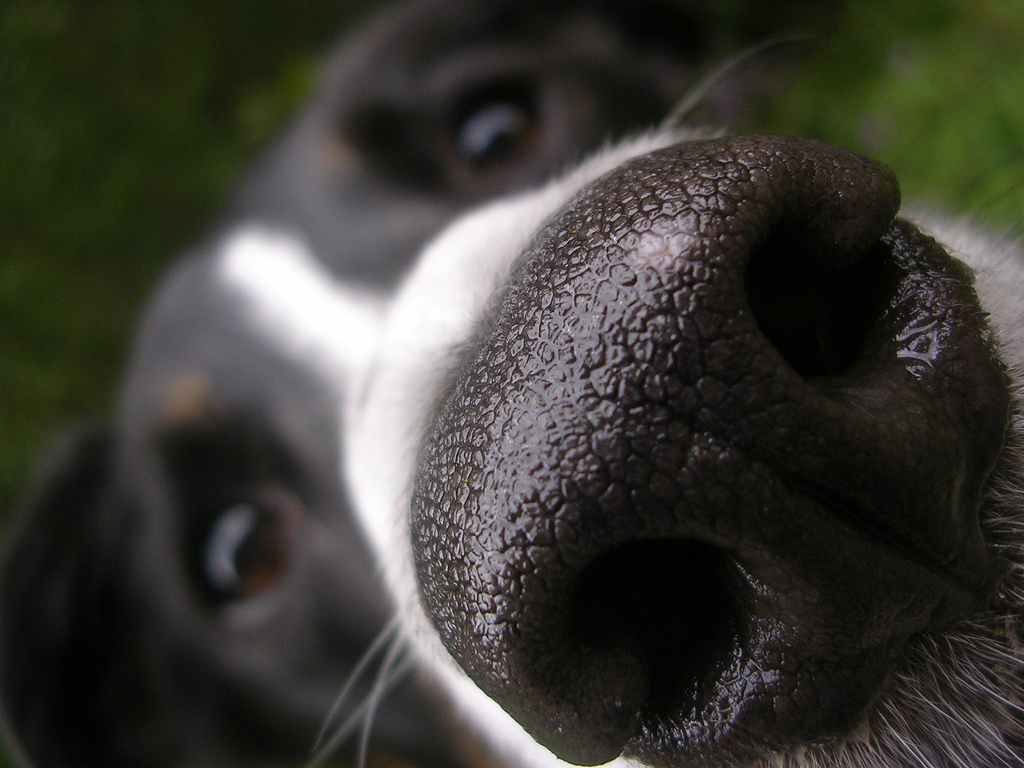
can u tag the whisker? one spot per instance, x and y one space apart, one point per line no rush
392 670
388 674
385 636
700 91
325 752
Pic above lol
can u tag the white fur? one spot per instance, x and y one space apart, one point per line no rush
295 303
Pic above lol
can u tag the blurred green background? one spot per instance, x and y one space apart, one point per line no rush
123 125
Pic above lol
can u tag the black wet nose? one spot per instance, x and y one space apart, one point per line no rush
720 453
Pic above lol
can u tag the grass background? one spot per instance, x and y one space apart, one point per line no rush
123 125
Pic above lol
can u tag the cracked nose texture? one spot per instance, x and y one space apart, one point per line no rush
719 452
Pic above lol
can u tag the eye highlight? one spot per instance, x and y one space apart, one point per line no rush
496 125
493 133
246 551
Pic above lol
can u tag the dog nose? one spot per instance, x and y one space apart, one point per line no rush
719 453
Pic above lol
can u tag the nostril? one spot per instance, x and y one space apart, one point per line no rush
667 603
818 318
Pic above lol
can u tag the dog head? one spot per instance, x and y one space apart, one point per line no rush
188 581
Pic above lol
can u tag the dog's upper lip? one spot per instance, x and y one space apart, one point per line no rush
978 590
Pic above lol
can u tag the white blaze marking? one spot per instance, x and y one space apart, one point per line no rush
299 306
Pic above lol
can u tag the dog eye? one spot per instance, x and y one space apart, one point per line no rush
496 127
246 551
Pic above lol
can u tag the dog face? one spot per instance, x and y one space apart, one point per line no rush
189 583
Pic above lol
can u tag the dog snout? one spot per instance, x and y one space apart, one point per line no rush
718 453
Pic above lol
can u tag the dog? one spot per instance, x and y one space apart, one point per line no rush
695 455
188 583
